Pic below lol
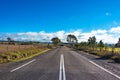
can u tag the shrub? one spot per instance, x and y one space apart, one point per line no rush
15 55
5 58
107 55
1 61
116 58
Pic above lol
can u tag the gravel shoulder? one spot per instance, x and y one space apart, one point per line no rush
107 64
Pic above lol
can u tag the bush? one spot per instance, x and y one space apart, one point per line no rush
5 58
1 61
107 55
15 56
116 58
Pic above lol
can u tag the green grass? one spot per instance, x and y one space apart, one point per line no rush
25 58
21 55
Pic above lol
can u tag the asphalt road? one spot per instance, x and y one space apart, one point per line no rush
58 64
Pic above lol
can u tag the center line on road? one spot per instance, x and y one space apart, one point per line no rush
62 75
23 65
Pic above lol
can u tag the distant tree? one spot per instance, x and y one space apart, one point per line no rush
101 45
92 42
118 43
71 39
30 42
113 48
83 45
10 40
106 47
56 41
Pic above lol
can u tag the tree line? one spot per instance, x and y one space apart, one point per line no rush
91 44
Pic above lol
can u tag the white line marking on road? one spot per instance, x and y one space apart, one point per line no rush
105 70
23 65
62 75
60 72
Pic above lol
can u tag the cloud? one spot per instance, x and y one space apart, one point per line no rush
98 31
115 30
108 36
108 14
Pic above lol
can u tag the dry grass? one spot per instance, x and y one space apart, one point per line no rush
116 50
17 52
5 48
109 49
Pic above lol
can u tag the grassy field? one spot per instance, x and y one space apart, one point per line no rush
106 53
109 49
9 53
10 48
116 50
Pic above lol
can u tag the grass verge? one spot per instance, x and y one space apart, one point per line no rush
104 54
21 55
25 58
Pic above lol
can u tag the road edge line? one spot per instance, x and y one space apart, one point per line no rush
23 65
104 69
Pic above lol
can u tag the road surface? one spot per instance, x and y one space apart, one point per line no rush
58 64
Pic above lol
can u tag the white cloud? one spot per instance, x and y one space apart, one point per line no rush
32 34
115 29
108 36
94 32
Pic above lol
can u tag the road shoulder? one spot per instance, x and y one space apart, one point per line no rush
107 64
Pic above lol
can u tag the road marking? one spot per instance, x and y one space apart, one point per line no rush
105 69
23 65
101 67
62 75
60 72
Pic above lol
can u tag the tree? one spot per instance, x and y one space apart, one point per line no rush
92 42
71 39
89 42
106 47
10 40
83 45
113 48
118 43
101 45
56 41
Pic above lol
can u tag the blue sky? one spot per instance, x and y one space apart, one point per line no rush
22 16
54 15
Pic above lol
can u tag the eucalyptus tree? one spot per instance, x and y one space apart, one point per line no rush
9 40
92 42
101 45
71 38
56 41
83 45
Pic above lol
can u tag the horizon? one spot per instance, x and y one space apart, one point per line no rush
36 20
